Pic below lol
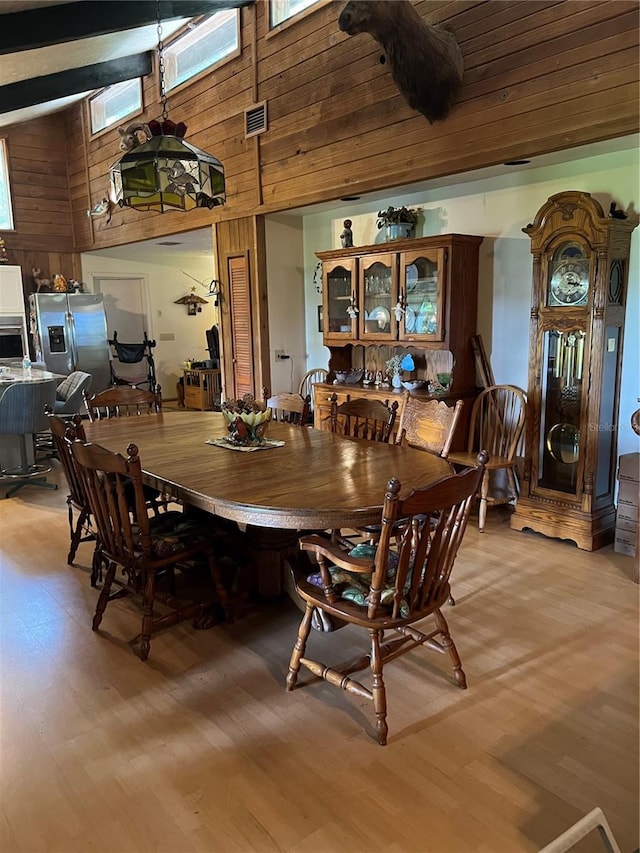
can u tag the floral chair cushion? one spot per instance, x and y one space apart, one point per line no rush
355 587
172 532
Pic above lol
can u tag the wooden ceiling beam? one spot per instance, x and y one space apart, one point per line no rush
68 22
38 90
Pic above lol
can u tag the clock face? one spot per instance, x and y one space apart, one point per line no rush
569 285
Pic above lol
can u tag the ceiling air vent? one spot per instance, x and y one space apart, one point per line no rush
255 119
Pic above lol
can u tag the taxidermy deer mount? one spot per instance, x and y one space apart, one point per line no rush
426 61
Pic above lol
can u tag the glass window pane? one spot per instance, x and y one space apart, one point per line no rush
282 10
113 104
200 48
339 290
6 211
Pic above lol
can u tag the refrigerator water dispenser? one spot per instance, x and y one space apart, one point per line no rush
56 339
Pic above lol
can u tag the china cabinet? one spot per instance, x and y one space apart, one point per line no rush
580 272
420 293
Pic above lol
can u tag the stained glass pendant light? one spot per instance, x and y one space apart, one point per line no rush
165 172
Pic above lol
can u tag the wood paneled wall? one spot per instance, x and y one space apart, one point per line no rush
43 237
540 75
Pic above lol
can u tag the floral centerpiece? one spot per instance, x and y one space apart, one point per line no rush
247 420
393 365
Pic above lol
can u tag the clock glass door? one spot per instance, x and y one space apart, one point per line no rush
562 404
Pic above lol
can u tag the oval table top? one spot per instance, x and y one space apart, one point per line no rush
316 480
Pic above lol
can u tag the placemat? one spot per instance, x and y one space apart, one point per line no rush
230 445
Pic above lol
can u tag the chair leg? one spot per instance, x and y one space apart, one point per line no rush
147 615
104 595
299 647
484 492
70 514
450 648
76 534
96 565
378 688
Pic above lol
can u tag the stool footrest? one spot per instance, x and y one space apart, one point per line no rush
24 473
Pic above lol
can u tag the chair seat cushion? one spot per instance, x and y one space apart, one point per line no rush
173 532
355 587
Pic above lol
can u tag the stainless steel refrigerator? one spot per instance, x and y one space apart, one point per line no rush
69 332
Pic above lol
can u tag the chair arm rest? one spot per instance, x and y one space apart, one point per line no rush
337 555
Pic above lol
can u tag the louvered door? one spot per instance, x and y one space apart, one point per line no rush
241 337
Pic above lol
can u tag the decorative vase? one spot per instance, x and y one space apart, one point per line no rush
396 382
398 231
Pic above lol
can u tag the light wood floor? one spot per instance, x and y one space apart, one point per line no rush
201 748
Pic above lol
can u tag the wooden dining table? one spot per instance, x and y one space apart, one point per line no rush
315 481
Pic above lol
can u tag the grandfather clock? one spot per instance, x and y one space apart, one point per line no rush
580 271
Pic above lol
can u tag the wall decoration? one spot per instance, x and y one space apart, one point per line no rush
426 61
193 302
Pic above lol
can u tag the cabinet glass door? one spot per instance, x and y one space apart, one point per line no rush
559 448
339 300
378 298
422 296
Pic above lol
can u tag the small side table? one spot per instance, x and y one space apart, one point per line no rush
202 389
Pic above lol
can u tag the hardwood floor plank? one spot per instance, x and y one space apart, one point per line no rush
202 749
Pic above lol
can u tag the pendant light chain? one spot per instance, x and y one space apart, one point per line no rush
161 69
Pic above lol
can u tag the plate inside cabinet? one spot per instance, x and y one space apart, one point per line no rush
410 320
382 317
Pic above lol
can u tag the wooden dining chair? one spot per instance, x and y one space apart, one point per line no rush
123 401
388 587
82 530
288 408
145 548
363 418
317 374
497 422
429 425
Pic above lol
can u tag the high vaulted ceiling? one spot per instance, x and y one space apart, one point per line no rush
55 53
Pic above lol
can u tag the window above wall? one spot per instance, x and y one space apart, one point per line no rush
214 39
6 210
281 10
115 103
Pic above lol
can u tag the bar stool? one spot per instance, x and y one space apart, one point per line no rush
22 413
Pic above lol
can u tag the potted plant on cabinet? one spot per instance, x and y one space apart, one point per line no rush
399 222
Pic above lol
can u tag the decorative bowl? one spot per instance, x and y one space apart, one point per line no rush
246 428
354 375
349 377
412 384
